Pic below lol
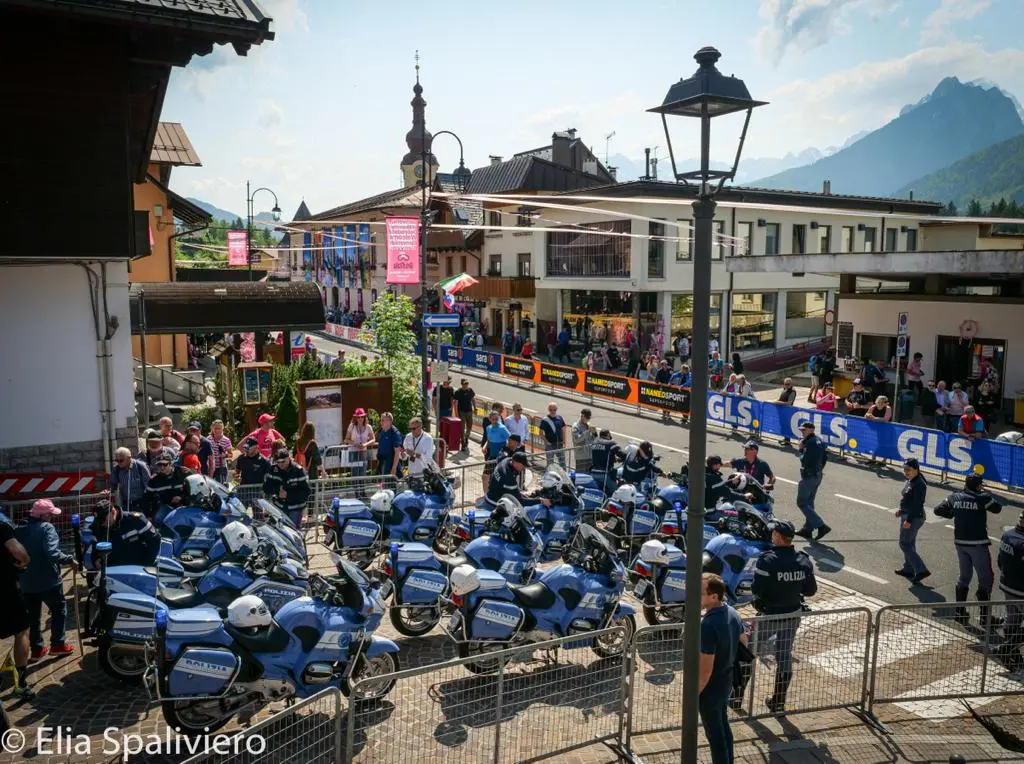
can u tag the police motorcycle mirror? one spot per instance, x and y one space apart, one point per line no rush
76 521
103 548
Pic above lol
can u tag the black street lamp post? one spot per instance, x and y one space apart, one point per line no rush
705 95
462 175
249 215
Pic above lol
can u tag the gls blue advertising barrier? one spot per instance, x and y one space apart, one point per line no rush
943 452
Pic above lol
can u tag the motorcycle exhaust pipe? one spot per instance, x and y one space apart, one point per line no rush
130 648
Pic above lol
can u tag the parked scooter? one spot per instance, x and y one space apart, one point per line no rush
128 596
419 514
581 595
418 579
209 670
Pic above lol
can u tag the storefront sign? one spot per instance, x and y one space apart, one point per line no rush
561 376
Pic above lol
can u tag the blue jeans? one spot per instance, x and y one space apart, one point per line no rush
806 492
714 715
912 562
57 605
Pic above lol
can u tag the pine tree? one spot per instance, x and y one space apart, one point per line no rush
287 422
974 209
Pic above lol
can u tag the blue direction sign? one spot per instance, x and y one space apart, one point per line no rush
441 320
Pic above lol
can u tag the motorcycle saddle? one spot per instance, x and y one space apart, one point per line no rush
451 563
195 564
534 596
179 599
271 639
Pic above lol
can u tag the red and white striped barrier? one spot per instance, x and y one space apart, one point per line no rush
59 483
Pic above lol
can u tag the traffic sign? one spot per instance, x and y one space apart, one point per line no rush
901 324
901 346
441 320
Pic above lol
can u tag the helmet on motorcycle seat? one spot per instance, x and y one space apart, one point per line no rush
249 612
555 479
380 502
199 492
507 511
738 480
239 538
625 494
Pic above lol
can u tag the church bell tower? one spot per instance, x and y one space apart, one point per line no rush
413 171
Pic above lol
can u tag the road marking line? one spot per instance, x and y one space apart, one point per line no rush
861 501
848 661
781 479
961 683
841 567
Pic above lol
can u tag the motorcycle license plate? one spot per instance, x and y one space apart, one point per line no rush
641 589
454 622
386 588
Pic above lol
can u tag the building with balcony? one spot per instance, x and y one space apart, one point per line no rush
631 264
962 293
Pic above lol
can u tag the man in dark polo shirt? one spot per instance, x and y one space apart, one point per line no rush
721 630
464 399
14 621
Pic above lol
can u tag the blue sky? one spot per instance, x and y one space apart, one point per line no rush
321 112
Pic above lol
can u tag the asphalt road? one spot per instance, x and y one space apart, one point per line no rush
858 502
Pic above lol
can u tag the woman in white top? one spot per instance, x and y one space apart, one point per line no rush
418 448
360 439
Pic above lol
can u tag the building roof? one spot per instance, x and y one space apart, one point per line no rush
302 213
529 173
467 212
410 197
187 212
220 306
239 22
172 146
668 190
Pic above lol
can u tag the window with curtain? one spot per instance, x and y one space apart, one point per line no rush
745 234
656 251
771 238
592 252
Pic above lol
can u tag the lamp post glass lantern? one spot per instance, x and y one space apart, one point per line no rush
462 175
705 95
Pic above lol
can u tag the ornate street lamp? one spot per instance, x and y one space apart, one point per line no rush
705 95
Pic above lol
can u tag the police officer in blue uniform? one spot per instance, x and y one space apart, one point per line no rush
1011 582
604 453
783 577
639 463
969 510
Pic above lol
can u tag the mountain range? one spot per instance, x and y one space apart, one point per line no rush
260 220
950 124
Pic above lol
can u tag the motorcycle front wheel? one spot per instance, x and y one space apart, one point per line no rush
194 718
125 663
414 621
484 666
655 615
612 645
377 666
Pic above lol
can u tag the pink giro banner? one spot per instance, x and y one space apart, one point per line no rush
238 248
403 246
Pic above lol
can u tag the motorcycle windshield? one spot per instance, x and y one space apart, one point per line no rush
273 513
279 540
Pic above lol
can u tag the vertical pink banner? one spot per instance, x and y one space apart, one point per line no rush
238 248
403 247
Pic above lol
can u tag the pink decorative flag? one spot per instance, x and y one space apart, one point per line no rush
403 248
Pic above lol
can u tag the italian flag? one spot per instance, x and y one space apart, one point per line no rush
454 284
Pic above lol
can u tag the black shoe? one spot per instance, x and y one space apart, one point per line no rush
904 573
775 705
961 616
822 532
921 576
805 533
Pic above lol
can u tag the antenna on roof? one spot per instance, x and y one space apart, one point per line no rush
607 141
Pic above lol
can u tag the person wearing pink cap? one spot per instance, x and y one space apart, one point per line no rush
41 582
265 434
360 439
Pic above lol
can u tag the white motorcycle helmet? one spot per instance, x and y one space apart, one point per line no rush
199 492
625 494
510 510
380 502
555 478
739 481
248 612
239 538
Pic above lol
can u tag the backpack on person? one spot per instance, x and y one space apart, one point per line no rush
814 365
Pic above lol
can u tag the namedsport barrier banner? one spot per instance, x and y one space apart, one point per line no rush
944 452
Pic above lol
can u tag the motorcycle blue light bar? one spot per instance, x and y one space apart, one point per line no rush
76 521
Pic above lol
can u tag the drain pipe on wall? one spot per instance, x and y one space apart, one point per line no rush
101 367
111 324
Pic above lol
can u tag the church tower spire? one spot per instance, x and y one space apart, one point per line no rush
417 138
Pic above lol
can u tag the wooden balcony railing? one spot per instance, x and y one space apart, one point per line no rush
503 287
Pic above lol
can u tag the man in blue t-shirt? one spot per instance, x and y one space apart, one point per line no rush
389 440
721 630
493 443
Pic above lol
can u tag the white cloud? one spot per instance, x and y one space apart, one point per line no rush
937 26
803 25
871 94
268 113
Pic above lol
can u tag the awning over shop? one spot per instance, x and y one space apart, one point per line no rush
220 306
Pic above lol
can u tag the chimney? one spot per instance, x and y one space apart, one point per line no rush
572 133
826 187
495 159
614 172
647 164
560 153
911 194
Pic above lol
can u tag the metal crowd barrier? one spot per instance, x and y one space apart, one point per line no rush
538 704
924 660
544 702
80 504
308 732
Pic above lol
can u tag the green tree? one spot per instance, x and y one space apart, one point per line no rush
388 327
950 209
974 209
287 422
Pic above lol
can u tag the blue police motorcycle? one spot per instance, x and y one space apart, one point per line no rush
418 514
122 612
209 669
579 596
418 579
